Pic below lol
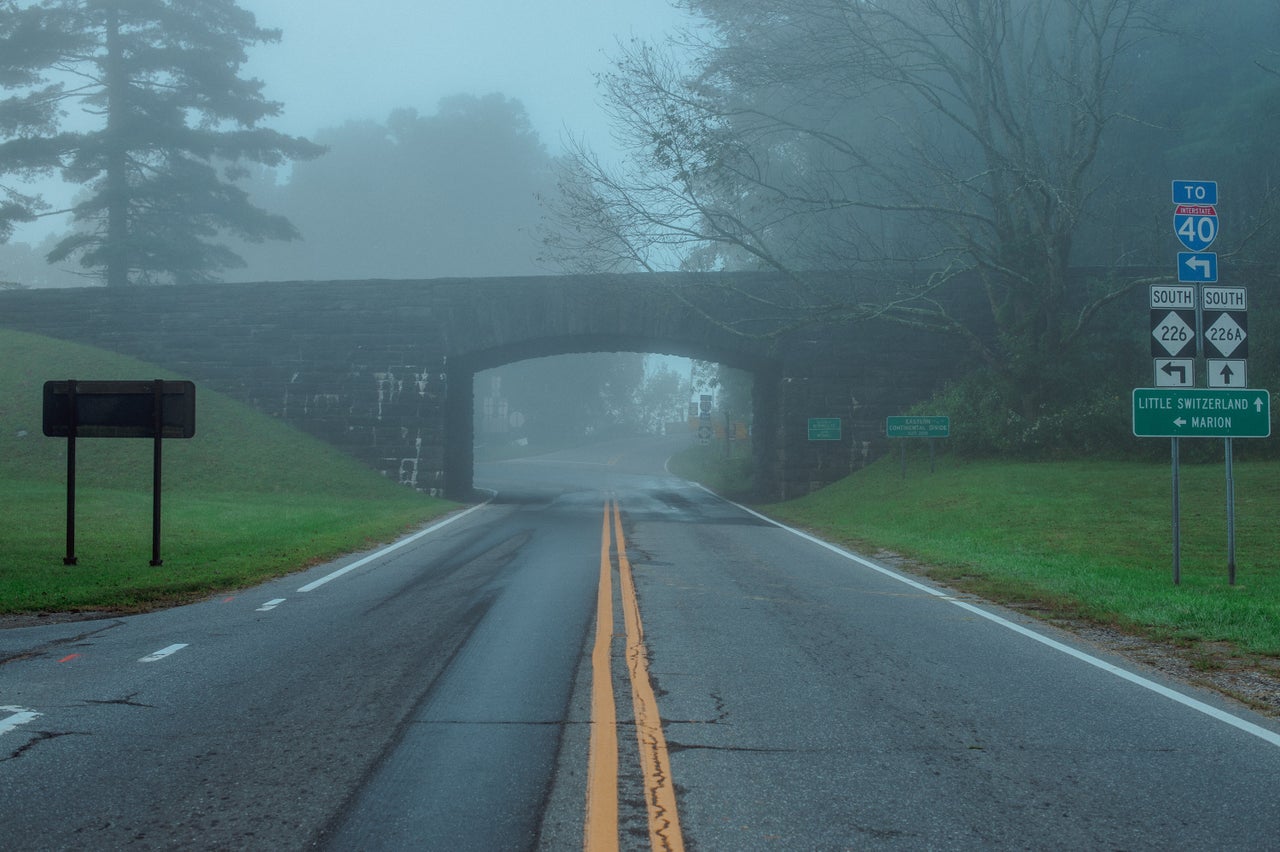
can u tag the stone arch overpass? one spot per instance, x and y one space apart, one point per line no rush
384 369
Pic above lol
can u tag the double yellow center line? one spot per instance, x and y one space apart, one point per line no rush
601 828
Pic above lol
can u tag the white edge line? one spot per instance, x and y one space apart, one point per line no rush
315 584
1213 712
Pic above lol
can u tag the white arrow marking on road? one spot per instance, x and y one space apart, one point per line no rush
20 717
270 605
162 653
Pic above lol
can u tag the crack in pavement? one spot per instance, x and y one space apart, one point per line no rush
40 737
41 650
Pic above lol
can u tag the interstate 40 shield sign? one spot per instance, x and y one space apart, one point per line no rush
1196 225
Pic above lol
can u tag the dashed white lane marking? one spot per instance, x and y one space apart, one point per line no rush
162 653
270 605
315 584
18 716
1209 710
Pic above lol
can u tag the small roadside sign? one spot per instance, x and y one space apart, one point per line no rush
1197 267
1225 298
1173 334
1226 334
1173 296
1175 372
1228 373
1195 192
824 428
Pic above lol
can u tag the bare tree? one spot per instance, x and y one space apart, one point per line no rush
927 140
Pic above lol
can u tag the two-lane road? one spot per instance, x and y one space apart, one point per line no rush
606 653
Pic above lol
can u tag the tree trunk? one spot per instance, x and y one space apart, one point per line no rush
116 248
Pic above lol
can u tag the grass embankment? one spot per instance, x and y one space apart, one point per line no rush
1089 540
246 499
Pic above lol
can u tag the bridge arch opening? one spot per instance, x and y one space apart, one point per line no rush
556 393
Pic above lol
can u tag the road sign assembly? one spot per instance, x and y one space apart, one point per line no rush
1185 328
156 409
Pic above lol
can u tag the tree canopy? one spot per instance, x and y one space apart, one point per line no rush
170 123
419 195
921 143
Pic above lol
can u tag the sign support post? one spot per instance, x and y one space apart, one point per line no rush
1230 514
70 558
157 406
1177 517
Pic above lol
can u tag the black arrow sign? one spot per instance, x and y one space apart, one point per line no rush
1226 374
1169 369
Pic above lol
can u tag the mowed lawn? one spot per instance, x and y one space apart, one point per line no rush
1081 539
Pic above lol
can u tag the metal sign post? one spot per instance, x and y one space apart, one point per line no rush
1230 516
1177 516
917 426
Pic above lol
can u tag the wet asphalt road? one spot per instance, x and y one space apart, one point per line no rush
440 696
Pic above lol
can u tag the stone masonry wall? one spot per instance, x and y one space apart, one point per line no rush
383 369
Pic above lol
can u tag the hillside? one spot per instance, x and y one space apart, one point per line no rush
245 499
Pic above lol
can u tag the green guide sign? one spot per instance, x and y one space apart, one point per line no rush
1191 413
917 427
824 428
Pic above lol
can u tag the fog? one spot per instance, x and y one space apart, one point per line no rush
333 65
340 72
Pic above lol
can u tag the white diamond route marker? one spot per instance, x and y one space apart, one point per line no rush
1172 333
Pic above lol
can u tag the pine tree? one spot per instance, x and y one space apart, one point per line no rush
176 121
28 48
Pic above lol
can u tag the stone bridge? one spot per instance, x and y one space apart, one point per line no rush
384 369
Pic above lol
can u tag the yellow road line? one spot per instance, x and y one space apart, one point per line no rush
660 794
601 831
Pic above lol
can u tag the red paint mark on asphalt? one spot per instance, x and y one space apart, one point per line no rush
68 658
229 600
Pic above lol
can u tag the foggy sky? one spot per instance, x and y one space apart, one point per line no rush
360 60
339 61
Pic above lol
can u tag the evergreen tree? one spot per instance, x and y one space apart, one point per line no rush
176 121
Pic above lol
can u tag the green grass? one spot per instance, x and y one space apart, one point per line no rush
1085 539
246 499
